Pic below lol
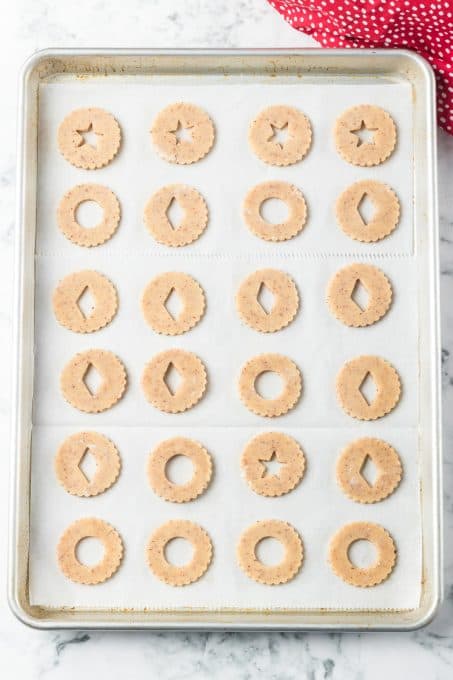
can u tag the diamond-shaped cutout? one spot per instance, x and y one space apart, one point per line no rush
367 388
369 471
366 209
364 135
85 302
182 133
279 135
173 304
174 214
87 465
265 298
89 137
272 466
360 295
92 380
172 378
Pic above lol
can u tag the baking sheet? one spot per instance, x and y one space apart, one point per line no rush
220 259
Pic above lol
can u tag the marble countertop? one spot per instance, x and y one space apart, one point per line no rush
28 25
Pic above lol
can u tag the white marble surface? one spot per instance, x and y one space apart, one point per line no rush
27 25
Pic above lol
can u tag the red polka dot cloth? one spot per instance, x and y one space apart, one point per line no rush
425 27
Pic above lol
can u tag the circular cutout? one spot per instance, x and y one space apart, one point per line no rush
288 372
89 528
69 292
163 454
262 133
386 211
287 193
358 576
70 456
270 574
350 466
267 447
285 300
73 380
157 294
170 121
192 380
185 574
341 289
360 118
88 236
193 222
79 152
352 377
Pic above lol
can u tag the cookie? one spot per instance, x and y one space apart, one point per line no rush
194 220
350 465
362 531
112 388
351 378
368 117
290 375
287 193
156 294
78 152
386 211
262 132
166 126
70 455
89 527
284 308
188 573
280 531
341 289
192 374
68 293
160 457
88 236
262 449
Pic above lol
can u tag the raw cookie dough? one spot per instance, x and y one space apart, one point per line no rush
89 527
340 294
287 193
69 291
76 392
188 573
350 465
285 306
70 455
157 293
170 120
372 118
80 153
386 211
191 388
192 224
262 130
362 531
262 449
282 532
290 375
163 453
352 376
88 236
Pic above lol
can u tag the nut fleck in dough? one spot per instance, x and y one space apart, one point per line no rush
362 531
340 294
156 294
78 152
88 236
285 306
68 293
350 465
192 386
188 573
89 528
70 455
374 119
160 457
287 193
386 211
193 222
292 384
280 531
262 131
112 387
170 120
351 377
262 449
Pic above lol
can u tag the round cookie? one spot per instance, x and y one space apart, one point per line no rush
262 130
289 373
372 118
157 293
386 211
263 448
88 236
193 223
287 193
78 152
192 386
68 292
170 120
340 294
286 300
